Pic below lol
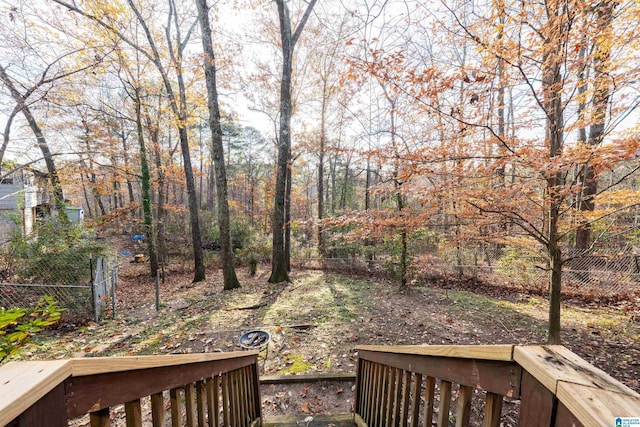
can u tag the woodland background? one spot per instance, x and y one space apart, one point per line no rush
492 136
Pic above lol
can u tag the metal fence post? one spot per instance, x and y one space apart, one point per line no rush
158 290
114 278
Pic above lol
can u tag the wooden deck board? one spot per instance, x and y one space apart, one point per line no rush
307 378
500 352
553 364
338 420
103 365
24 383
595 407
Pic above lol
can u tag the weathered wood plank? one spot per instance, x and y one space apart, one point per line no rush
213 387
102 365
189 404
492 410
416 391
552 364
133 412
176 411
595 407
397 405
339 420
564 417
406 396
49 411
536 403
90 393
499 352
429 396
225 399
23 383
200 403
463 413
391 382
498 377
306 378
157 409
445 404
101 418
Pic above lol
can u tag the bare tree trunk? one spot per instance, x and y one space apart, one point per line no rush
602 82
279 261
554 129
146 189
287 217
226 250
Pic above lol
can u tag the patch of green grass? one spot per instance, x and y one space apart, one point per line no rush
297 364
467 301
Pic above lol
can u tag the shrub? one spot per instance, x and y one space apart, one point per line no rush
60 254
19 325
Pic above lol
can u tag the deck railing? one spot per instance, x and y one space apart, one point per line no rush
412 385
396 386
219 389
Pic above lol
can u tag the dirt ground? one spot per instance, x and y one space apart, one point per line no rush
317 320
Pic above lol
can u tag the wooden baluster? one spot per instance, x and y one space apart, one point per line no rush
429 392
251 393
200 403
133 413
492 410
213 387
242 402
243 396
235 404
377 399
176 412
390 394
406 382
464 406
190 405
157 409
100 418
384 381
398 398
445 403
537 403
225 399
366 388
415 402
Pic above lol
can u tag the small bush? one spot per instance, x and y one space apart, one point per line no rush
19 325
60 254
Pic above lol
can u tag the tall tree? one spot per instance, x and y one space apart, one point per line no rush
22 105
601 58
226 250
288 39
177 99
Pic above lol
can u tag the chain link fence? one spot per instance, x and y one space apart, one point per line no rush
82 302
612 275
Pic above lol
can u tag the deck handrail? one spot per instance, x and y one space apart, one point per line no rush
52 392
555 387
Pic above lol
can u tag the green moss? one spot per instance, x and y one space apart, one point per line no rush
297 364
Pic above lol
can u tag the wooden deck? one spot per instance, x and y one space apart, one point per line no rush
395 386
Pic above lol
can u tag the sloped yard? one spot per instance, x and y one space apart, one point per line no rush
318 319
